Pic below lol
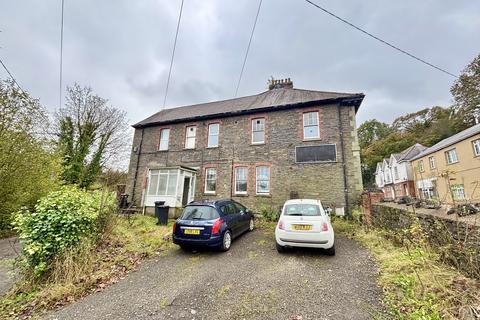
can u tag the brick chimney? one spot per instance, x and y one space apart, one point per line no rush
280 84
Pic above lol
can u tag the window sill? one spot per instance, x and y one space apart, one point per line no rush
449 164
257 144
311 139
163 150
240 194
212 147
263 195
209 193
186 149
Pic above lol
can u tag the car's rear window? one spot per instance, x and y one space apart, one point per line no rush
301 209
199 213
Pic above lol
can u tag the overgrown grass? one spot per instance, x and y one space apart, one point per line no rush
416 284
88 268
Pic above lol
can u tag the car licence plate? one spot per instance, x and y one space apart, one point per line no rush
302 227
191 231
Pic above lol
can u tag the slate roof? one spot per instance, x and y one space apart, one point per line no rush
268 100
409 153
462 135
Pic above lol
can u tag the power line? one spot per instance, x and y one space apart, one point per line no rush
11 76
248 48
61 59
382 41
173 56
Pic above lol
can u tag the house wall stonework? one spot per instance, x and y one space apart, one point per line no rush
323 181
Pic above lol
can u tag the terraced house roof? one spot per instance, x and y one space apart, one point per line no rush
462 135
268 100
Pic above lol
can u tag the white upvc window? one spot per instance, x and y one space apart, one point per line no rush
262 179
241 180
311 128
431 161
395 170
210 180
190 136
213 133
162 182
258 131
421 168
164 139
476 147
451 156
458 192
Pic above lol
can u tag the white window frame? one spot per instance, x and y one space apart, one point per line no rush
449 158
253 124
305 126
267 192
167 173
395 173
458 192
236 179
191 137
162 138
207 179
432 163
476 147
209 145
421 167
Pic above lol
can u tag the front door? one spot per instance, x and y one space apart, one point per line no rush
186 190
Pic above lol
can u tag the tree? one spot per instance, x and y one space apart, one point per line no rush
466 94
28 166
372 130
90 135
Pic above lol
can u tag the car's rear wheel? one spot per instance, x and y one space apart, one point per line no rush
330 251
226 241
252 225
280 249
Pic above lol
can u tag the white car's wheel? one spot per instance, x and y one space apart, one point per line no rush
330 251
280 249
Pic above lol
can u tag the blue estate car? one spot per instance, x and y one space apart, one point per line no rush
211 223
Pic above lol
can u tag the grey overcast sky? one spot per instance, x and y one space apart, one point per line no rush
122 49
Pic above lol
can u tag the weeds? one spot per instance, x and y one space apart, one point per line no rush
417 284
86 268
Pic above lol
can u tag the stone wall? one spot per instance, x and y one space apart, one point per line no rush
323 181
457 242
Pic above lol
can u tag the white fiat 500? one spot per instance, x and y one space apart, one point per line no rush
304 223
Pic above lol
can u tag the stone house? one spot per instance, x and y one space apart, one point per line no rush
394 175
259 150
449 171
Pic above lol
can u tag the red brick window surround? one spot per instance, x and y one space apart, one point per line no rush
241 180
213 135
190 136
210 180
164 139
258 132
262 179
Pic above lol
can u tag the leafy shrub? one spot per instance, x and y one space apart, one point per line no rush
269 213
60 221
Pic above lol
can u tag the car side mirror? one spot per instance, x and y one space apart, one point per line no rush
328 211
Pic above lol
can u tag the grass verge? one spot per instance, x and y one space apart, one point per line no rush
416 284
88 268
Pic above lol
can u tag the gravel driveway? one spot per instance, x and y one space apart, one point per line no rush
251 281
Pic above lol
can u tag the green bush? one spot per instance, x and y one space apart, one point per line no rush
269 213
60 221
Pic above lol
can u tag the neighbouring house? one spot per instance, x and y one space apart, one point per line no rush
449 171
394 175
259 150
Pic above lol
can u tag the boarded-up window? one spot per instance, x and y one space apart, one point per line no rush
320 153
